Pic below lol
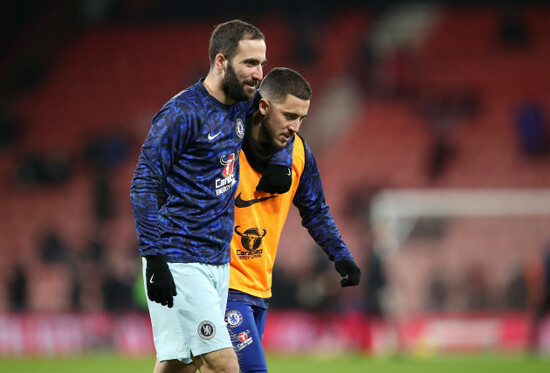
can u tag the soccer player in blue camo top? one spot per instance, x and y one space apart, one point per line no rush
182 195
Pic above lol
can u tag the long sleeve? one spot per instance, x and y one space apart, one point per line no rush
315 214
168 135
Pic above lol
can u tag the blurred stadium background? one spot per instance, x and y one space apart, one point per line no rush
430 126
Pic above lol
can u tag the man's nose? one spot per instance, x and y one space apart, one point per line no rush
294 125
258 73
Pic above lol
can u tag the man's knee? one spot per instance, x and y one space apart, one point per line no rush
221 361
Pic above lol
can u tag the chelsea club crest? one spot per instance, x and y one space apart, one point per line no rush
233 318
239 128
207 329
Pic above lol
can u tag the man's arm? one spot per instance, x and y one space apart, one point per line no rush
317 219
146 194
165 139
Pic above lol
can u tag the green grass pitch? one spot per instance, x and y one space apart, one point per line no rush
295 364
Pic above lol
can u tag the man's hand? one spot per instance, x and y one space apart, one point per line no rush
160 283
275 179
349 271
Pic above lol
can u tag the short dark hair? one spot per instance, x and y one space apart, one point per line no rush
226 37
281 82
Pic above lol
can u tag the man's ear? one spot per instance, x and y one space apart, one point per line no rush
264 106
220 62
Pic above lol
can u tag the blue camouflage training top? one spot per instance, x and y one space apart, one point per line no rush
183 189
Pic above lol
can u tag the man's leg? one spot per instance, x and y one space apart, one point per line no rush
173 366
246 324
195 326
221 361
211 350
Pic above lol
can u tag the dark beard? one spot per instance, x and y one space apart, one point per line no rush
232 87
267 137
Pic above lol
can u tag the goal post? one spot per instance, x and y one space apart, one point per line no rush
476 242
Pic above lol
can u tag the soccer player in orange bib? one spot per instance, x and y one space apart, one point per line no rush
260 216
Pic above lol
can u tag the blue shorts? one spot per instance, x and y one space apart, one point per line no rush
195 325
246 324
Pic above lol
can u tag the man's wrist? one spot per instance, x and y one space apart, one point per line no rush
155 261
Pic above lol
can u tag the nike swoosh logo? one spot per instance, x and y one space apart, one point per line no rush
240 203
151 279
212 137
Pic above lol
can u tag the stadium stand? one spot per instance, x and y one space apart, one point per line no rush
114 78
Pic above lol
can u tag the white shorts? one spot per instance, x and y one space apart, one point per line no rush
195 325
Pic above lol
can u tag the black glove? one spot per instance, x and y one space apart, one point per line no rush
349 269
275 179
160 283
